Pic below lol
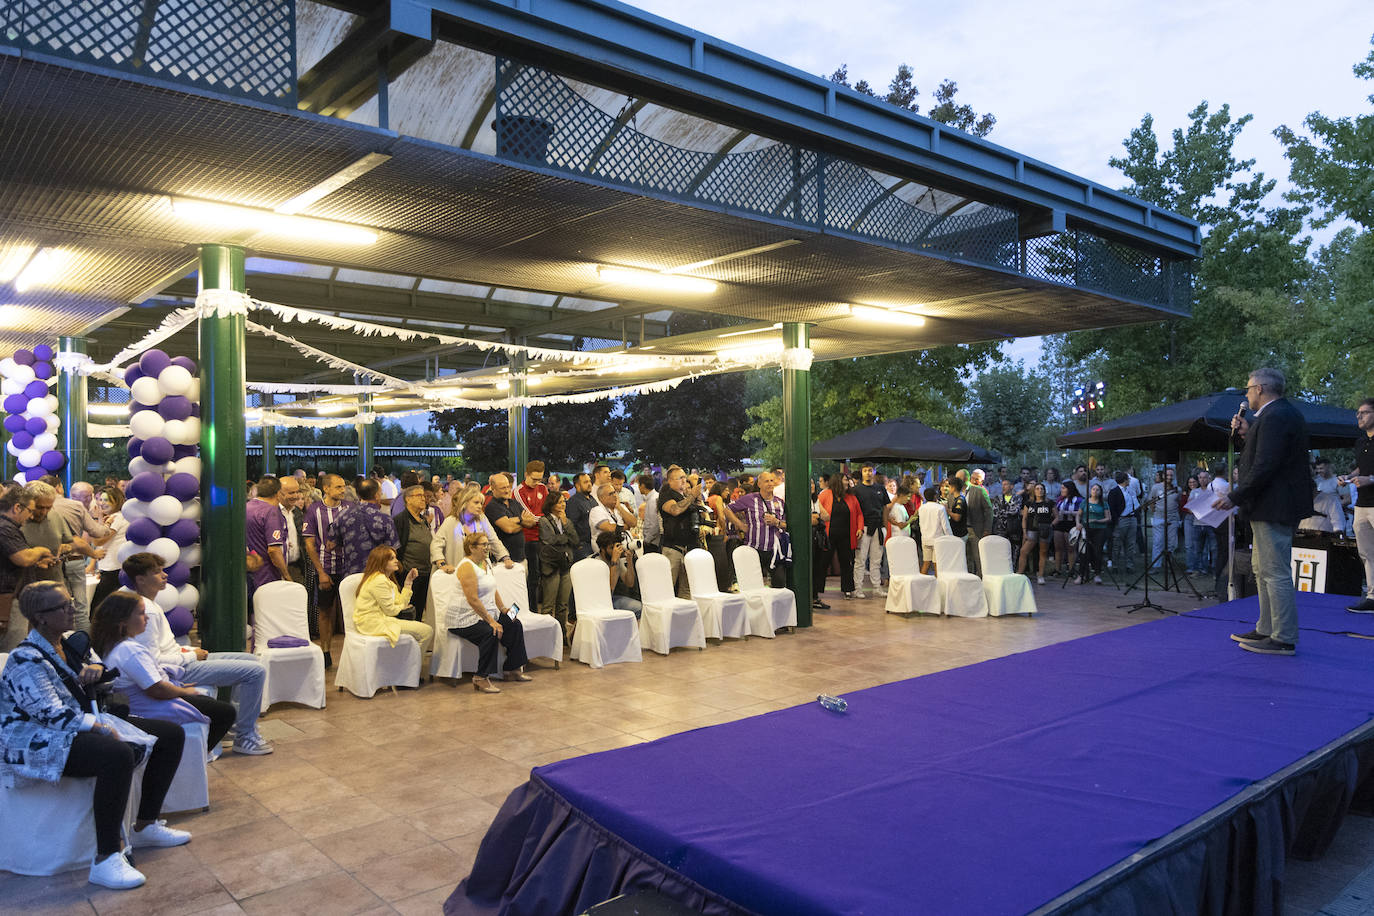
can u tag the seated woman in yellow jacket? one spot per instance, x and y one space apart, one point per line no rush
379 601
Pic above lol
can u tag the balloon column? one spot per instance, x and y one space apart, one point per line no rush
162 498
31 413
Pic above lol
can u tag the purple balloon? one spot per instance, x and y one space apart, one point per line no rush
195 410
22 440
132 374
125 581
143 531
43 369
180 620
185 532
185 362
183 451
153 362
157 450
16 403
24 358
175 407
135 407
35 389
14 423
147 486
178 574
53 461
43 352
36 426
184 487
135 446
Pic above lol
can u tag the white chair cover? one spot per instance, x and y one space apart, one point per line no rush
370 663
908 591
543 635
1006 592
294 675
603 635
666 620
190 789
961 592
770 609
722 613
452 655
58 826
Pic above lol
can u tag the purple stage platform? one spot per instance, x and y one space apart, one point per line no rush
1020 783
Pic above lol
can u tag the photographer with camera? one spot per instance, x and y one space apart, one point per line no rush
620 561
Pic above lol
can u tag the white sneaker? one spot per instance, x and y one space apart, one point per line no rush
253 745
880 592
116 873
857 593
159 834
215 753
1040 581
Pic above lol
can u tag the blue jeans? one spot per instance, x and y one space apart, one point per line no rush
1190 542
242 671
1206 548
626 603
1272 558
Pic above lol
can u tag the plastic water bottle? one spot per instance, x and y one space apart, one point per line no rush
834 704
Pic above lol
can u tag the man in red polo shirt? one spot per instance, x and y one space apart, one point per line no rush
532 494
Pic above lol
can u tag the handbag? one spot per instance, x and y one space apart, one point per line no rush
1075 536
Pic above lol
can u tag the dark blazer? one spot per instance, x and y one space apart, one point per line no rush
1275 482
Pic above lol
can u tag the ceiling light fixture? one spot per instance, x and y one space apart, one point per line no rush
43 268
13 261
869 313
652 280
101 409
335 407
231 217
740 354
771 327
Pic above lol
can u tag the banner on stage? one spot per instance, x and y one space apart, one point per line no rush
1309 569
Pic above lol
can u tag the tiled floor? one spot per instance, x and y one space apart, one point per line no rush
377 806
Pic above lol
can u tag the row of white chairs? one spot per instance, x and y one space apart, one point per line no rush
953 590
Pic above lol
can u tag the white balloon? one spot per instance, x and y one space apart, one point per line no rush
139 465
174 380
193 392
190 555
174 431
51 401
146 424
9 386
22 374
12 448
29 457
53 422
134 509
45 442
191 510
164 510
168 552
7 366
21 478
187 596
146 391
39 407
188 465
167 598
192 430
126 550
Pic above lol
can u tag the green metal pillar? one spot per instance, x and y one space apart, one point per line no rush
269 436
223 611
796 464
71 402
366 435
518 421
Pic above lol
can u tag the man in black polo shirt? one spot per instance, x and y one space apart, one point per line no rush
505 513
677 505
1362 478
868 556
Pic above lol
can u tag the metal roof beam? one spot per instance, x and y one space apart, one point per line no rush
630 51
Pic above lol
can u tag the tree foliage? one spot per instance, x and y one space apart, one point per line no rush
1010 411
561 435
903 92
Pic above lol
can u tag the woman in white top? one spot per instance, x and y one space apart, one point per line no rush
478 615
110 503
155 691
469 516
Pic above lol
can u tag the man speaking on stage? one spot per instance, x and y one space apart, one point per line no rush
1275 493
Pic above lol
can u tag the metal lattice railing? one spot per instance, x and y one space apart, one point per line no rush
541 120
245 48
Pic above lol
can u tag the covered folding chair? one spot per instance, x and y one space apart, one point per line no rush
909 592
190 788
49 827
961 592
603 635
543 635
722 613
370 663
770 609
295 674
452 655
1006 591
666 620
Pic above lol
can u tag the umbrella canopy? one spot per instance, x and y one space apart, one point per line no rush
1203 425
905 439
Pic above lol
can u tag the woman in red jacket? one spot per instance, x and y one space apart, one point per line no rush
844 519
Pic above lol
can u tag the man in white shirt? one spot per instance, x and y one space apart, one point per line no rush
610 513
241 671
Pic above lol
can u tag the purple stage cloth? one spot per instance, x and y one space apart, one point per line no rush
986 789
1316 612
